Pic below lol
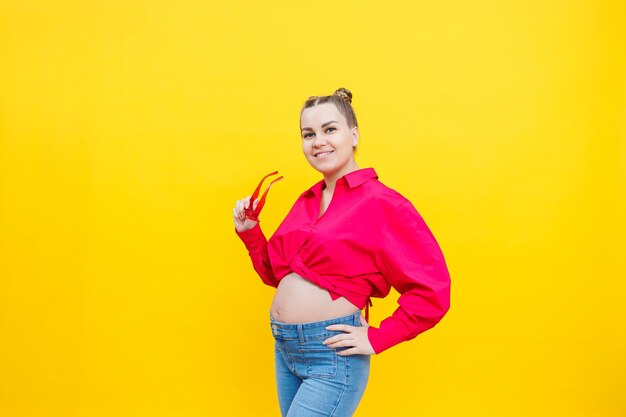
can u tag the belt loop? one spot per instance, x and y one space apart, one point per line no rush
301 334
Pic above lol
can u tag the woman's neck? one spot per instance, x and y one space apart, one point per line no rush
331 180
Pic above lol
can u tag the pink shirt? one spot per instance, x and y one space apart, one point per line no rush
369 238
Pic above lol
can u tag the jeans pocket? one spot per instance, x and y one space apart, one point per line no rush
321 362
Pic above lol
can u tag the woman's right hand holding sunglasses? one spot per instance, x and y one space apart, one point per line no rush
247 217
243 223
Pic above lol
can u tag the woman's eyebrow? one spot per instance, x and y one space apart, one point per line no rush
323 125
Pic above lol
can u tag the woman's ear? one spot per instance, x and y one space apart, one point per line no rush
355 133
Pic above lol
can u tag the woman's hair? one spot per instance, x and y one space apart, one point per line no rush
341 98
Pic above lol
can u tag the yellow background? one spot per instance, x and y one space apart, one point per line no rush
128 129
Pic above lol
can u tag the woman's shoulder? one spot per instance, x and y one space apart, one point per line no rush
385 195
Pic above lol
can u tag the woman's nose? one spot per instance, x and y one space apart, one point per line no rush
319 140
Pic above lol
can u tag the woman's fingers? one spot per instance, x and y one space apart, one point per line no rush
339 337
236 216
353 336
241 206
352 351
239 212
355 346
340 327
343 342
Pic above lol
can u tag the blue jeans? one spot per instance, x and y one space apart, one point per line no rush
312 379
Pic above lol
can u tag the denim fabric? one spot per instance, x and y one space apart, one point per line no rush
312 379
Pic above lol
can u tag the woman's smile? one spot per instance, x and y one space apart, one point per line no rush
323 155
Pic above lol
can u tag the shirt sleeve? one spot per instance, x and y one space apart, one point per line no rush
412 262
256 243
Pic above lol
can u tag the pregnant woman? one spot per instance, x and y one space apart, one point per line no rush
346 239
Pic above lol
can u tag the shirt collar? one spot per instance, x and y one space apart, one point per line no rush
353 179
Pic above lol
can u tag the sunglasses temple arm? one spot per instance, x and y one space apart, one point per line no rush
258 188
257 211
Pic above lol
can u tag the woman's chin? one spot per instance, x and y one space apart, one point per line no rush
323 168
320 166
326 167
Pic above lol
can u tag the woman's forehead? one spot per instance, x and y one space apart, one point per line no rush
322 113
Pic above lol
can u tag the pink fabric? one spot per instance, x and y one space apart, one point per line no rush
369 239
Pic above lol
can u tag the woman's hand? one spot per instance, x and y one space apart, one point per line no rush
242 223
353 336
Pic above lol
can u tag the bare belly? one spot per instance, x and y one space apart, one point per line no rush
298 300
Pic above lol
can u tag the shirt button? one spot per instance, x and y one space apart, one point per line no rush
274 326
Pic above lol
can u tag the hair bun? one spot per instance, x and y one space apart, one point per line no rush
344 94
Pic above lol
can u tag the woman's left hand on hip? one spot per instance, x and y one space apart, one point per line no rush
353 336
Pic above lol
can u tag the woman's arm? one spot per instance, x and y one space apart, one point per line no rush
411 260
256 243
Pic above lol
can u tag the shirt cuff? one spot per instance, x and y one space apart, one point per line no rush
252 238
383 339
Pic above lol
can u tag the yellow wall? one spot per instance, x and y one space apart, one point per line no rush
129 128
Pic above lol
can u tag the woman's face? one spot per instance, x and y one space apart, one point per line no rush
327 140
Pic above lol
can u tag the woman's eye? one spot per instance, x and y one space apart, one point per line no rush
330 128
306 135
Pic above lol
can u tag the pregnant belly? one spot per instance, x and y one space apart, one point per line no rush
298 300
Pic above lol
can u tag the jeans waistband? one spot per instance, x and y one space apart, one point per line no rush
314 327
